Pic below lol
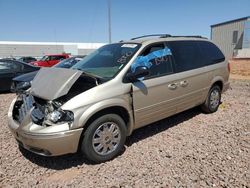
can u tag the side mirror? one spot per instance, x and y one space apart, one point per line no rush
140 72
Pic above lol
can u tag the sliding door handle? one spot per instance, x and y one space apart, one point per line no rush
184 83
172 86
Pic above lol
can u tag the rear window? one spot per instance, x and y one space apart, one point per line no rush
212 54
187 55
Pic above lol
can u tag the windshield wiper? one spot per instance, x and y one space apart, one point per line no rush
77 69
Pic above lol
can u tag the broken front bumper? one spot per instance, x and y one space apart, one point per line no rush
45 140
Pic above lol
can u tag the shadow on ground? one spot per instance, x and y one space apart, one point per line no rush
162 125
5 92
73 160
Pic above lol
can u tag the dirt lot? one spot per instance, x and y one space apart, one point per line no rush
240 69
190 149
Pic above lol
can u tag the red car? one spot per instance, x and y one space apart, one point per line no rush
50 60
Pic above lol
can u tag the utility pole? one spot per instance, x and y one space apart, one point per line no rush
109 19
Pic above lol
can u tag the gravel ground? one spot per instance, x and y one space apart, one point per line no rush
190 149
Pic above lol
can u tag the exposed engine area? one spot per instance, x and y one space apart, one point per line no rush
82 84
44 112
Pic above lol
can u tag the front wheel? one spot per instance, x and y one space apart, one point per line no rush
104 138
213 100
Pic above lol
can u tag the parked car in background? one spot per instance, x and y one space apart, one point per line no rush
23 82
8 58
10 69
50 60
96 104
68 63
27 59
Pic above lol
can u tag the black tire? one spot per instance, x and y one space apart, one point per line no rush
87 146
208 107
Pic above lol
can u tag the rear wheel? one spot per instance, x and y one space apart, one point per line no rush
213 100
104 138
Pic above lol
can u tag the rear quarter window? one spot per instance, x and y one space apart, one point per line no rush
212 54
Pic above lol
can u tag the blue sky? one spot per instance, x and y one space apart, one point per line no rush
86 20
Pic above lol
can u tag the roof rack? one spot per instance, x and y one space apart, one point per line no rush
154 35
167 35
191 36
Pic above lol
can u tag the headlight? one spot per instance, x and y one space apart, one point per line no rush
60 116
23 85
20 86
54 116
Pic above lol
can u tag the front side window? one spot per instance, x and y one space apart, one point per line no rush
157 58
108 60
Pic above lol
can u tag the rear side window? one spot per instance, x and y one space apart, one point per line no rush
212 53
187 55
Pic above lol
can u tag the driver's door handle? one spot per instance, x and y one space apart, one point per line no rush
184 83
172 86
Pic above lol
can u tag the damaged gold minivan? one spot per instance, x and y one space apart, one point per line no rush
118 88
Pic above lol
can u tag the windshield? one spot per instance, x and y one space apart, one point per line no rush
108 60
44 58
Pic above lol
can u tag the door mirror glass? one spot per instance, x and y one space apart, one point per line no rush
139 74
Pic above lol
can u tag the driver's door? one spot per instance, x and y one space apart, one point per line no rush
153 97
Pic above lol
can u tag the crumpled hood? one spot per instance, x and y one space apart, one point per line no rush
52 83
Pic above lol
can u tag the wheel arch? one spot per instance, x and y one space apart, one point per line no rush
218 81
117 109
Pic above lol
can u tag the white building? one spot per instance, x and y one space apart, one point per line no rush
38 49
